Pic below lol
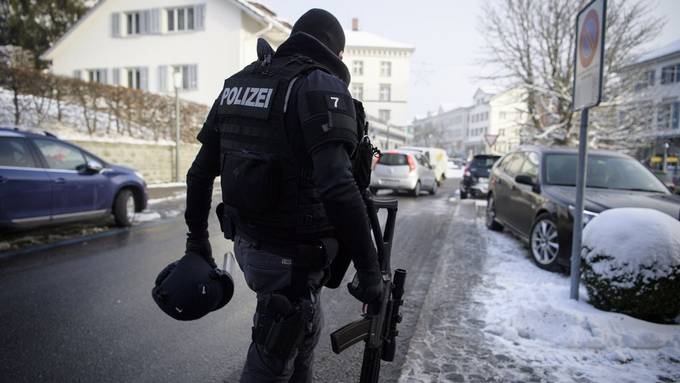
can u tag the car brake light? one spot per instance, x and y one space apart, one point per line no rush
411 163
376 159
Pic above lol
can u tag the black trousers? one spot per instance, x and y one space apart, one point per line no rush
265 273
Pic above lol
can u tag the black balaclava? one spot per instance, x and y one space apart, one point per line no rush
324 27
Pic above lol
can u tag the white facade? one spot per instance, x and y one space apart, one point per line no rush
506 119
140 44
468 130
479 123
380 74
446 130
655 101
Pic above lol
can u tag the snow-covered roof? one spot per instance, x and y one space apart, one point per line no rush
367 39
662 51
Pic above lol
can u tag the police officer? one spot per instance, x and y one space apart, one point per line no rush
280 135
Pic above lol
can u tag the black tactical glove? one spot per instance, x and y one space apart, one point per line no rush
199 244
366 286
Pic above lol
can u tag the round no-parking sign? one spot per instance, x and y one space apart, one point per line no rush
590 26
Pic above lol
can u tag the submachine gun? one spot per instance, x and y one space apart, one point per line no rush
378 326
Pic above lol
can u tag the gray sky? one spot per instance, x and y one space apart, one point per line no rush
448 45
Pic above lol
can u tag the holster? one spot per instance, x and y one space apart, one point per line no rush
279 332
226 224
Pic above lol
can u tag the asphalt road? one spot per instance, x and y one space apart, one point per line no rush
84 313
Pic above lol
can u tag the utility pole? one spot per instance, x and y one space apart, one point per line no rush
177 82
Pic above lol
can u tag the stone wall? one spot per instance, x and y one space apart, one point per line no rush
155 161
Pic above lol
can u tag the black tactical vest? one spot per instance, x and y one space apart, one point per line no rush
268 194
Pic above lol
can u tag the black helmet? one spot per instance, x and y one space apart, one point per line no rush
190 288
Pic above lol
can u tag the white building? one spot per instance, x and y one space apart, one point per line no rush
140 44
479 123
447 130
656 98
380 74
491 125
506 119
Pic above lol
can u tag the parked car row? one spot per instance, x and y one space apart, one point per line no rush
532 193
44 180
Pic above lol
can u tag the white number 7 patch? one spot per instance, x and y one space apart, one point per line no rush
335 99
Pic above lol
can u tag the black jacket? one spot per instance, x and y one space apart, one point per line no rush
330 162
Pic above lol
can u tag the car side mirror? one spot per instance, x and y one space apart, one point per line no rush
91 167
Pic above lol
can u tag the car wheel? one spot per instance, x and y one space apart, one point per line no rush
416 190
433 191
463 194
545 243
491 222
124 208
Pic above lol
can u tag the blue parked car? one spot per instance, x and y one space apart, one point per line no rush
44 180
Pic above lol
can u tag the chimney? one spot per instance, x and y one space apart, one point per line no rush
355 24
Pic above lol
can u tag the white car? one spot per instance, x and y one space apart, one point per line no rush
401 170
436 157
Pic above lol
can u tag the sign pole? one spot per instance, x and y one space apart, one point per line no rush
588 69
581 174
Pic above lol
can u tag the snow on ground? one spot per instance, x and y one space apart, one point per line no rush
146 216
530 318
163 185
72 125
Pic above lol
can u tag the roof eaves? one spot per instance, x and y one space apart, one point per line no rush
48 52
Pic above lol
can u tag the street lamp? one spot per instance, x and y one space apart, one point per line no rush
177 82
665 156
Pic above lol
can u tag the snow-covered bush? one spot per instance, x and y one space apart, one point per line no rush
631 263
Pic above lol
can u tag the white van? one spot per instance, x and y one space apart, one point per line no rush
438 159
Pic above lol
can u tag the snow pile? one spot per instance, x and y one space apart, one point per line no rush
530 318
631 263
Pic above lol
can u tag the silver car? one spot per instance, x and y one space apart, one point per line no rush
401 170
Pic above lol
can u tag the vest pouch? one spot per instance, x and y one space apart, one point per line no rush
250 181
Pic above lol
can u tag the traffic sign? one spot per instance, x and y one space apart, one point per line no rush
490 139
589 56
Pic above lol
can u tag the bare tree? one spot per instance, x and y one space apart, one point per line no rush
531 44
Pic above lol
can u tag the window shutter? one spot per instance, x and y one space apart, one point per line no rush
162 78
144 78
76 74
115 24
144 22
199 16
115 72
155 21
193 77
103 78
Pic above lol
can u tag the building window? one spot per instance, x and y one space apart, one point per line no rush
358 91
97 75
385 69
137 78
668 116
133 23
358 68
385 92
185 18
670 74
384 114
502 115
189 76
647 79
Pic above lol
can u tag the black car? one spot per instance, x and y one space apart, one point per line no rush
532 192
475 181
